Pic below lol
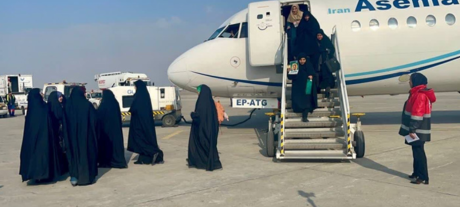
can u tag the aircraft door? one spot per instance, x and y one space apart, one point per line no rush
265 33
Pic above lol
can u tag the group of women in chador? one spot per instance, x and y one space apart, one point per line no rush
71 137
312 48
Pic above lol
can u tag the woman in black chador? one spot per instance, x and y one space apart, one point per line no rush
56 112
327 80
40 157
80 138
306 41
301 101
110 133
202 146
56 102
142 135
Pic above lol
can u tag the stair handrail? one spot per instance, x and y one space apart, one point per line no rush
283 95
343 96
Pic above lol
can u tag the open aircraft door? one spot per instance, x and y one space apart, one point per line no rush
265 33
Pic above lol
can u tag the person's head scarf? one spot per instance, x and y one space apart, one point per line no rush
108 96
418 79
295 17
302 55
142 101
34 97
54 106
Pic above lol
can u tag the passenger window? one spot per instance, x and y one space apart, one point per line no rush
216 33
244 30
430 20
48 91
231 31
355 26
374 24
450 19
393 23
411 22
127 101
162 93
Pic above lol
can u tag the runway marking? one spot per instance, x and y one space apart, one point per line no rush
441 166
172 135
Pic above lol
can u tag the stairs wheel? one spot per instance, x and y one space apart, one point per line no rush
270 141
360 147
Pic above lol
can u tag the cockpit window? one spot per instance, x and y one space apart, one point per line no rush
231 31
216 33
244 30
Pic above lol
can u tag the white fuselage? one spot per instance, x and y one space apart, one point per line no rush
372 59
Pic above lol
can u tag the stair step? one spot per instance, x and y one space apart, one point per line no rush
313 123
315 154
289 86
321 112
329 103
313 133
290 81
320 95
314 144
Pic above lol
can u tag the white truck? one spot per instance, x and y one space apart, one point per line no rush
95 98
114 79
63 87
166 103
19 85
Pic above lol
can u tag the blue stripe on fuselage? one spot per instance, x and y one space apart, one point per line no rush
349 82
422 62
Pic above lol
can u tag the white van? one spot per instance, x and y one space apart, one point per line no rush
63 87
166 103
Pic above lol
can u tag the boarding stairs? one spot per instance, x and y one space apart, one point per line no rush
326 135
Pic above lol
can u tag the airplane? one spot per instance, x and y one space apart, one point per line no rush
379 43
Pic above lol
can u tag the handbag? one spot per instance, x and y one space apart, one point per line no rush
333 65
309 87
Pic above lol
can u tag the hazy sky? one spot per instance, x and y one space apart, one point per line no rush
58 40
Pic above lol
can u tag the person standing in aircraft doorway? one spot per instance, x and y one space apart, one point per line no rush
293 22
306 41
416 124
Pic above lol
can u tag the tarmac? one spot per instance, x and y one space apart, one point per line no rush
248 178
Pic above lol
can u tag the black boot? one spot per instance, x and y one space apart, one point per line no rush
154 161
328 93
305 116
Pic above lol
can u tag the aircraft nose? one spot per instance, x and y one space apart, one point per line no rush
178 73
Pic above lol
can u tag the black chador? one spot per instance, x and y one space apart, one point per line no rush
110 133
40 156
301 101
142 135
202 146
80 138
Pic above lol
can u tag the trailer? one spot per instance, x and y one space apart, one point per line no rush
166 103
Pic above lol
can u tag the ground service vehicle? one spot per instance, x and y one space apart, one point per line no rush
166 103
